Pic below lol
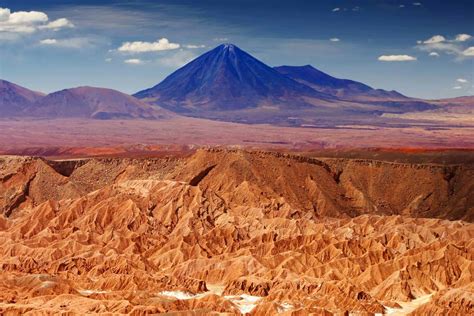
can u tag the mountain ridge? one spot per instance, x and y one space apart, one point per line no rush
79 102
228 84
15 98
92 102
340 88
227 78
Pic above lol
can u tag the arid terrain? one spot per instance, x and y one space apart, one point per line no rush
236 157
237 231
45 137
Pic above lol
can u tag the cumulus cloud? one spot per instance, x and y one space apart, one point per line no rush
336 9
24 22
435 39
144 47
133 61
57 24
468 51
434 54
461 80
463 37
334 39
396 58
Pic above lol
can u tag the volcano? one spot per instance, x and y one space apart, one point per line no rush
227 78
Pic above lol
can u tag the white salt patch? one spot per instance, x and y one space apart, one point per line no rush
89 292
179 295
407 307
285 307
182 295
245 303
216 289
47 284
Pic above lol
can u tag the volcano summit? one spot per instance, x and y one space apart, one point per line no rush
227 78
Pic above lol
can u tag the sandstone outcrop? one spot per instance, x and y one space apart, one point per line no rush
234 232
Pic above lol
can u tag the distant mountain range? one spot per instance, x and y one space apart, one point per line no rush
227 84
82 102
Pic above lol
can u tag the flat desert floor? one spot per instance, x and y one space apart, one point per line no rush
24 136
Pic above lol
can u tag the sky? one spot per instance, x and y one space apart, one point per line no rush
420 48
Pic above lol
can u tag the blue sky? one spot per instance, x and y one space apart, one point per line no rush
419 48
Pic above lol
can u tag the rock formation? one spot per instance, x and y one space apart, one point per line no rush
229 231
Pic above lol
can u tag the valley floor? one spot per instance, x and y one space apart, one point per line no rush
39 136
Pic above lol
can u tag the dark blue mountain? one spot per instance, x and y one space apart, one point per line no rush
341 88
227 78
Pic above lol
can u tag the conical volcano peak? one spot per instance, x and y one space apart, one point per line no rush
228 48
227 78
308 67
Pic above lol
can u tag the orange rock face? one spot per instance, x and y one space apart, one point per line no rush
235 232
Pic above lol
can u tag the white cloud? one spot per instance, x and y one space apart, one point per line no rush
143 47
336 9
435 39
178 59
434 54
461 80
396 58
24 22
449 48
463 37
108 60
133 61
468 51
417 3
221 39
401 6
457 87
49 41
74 42
356 9
194 46
334 39
57 24
456 46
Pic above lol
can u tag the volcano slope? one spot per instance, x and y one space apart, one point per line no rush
229 231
